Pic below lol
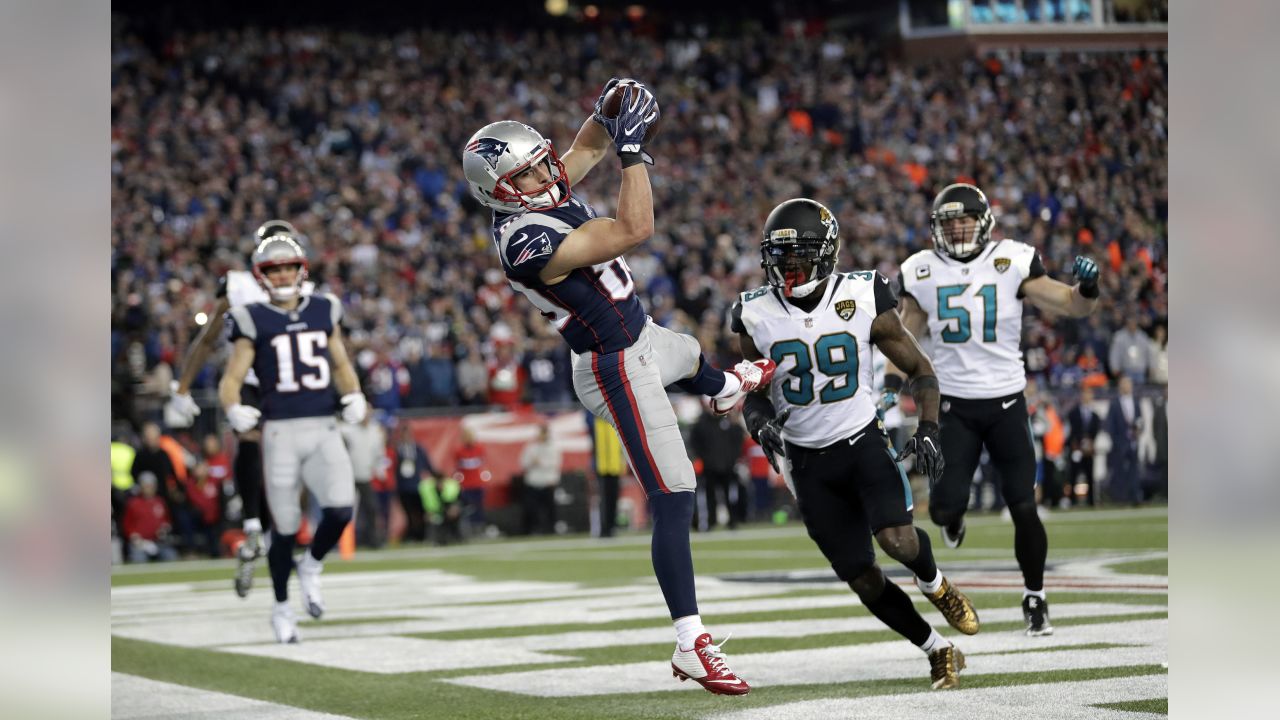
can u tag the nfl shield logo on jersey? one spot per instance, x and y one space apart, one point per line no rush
1002 264
922 272
846 308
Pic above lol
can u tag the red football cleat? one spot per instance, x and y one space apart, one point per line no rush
705 665
754 374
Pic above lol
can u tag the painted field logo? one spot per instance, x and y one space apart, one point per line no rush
845 309
1002 264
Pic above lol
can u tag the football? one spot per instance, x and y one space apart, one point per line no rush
613 105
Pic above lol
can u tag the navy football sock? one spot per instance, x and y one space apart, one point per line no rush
332 522
708 381
672 559
280 560
248 476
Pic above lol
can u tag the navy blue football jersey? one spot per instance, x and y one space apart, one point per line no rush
291 354
594 308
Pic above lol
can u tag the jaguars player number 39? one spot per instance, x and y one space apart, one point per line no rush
967 292
294 345
819 423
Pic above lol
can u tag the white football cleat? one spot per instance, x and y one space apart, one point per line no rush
705 665
754 374
309 570
284 623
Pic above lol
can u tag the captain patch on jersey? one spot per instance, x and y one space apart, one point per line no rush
824 356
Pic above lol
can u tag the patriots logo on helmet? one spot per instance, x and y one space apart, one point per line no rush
488 148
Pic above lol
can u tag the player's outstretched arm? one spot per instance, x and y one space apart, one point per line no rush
1058 297
604 239
589 148
201 347
905 355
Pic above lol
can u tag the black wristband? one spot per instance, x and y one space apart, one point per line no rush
924 382
1089 290
893 383
928 428
631 158
756 411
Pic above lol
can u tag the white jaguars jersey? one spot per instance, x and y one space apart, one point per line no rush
975 316
242 289
824 357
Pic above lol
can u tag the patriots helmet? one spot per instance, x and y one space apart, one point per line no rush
500 151
277 250
959 201
275 227
800 247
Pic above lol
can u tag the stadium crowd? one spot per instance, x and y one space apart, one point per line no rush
355 139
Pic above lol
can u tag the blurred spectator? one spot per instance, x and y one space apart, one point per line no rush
717 442
151 458
1047 428
412 467
441 496
607 462
220 472
758 470
367 445
1131 351
1124 424
204 497
122 477
473 477
384 485
507 379
541 461
146 523
472 375
1159 371
548 371
1085 424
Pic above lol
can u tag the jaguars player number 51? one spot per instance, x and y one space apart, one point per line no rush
967 293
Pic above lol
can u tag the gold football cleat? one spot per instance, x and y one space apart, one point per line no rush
945 665
955 607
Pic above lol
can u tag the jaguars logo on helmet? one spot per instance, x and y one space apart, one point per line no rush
800 247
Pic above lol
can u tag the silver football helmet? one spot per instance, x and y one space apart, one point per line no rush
275 227
497 153
279 250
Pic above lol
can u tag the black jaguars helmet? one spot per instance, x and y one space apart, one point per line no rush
956 201
800 247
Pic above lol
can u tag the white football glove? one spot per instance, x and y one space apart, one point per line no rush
354 407
180 411
243 418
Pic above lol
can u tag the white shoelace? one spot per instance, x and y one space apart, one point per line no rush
715 655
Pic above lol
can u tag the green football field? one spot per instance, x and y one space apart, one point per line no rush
575 627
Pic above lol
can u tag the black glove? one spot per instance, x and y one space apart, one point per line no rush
926 445
770 438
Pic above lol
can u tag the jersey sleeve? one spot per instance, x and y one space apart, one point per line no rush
906 275
240 324
1029 264
529 247
335 310
886 297
735 318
